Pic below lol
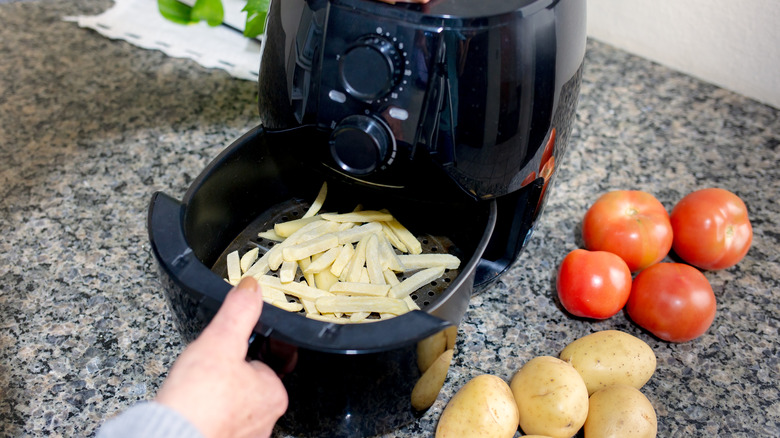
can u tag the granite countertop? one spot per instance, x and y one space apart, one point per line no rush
90 128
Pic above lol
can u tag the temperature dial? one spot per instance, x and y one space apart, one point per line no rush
370 68
361 144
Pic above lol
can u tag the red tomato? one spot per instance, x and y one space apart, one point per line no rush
593 284
631 224
711 229
673 301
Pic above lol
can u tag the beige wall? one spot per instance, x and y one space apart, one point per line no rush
732 44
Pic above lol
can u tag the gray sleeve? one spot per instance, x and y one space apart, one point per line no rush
149 420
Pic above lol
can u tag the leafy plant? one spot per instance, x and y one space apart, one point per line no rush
212 12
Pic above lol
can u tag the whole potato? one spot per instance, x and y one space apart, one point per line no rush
483 407
610 357
620 411
427 388
551 397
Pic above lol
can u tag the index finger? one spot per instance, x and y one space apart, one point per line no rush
235 320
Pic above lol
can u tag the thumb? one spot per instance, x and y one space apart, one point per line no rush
236 318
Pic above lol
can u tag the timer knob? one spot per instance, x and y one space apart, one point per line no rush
360 144
370 68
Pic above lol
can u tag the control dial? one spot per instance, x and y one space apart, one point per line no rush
360 144
370 68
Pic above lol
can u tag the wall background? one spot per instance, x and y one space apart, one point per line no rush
732 44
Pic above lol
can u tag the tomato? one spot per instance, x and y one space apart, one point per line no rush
673 301
593 284
711 229
629 223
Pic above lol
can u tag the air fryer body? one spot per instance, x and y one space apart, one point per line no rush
455 95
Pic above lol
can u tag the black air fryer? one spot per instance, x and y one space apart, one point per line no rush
450 114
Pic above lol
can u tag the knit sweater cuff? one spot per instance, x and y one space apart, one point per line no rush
149 420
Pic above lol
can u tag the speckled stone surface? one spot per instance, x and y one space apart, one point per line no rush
90 128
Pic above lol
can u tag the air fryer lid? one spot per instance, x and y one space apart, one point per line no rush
257 181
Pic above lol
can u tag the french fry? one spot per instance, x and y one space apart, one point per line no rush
359 316
410 303
359 216
324 279
270 235
357 234
310 247
389 257
342 259
390 277
411 262
288 306
415 282
405 236
259 267
359 289
374 261
306 232
233 268
354 269
248 259
393 238
271 294
287 271
345 304
303 264
294 288
286 229
324 261
318 201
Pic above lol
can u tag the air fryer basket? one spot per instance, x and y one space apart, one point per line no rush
343 379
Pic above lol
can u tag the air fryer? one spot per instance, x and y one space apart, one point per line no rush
453 115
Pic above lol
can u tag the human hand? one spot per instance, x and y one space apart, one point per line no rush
213 385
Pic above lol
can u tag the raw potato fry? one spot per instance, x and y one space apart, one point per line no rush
393 239
359 289
303 264
286 229
310 247
342 259
410 303
324 280
270 235
271 294
233 268
296 289
288 306
390 277
248 259
390 259
356 234
411 262
355 267
359 216
359 316
287 271
343 304
324 261
415 282
318 201
260 267
306 232
373 261
408 239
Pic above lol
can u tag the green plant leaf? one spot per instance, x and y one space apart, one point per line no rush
175 11
256 12
209 10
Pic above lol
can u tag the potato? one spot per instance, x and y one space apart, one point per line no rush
427 388
483 407
430 348
551 397
610 357
620 411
